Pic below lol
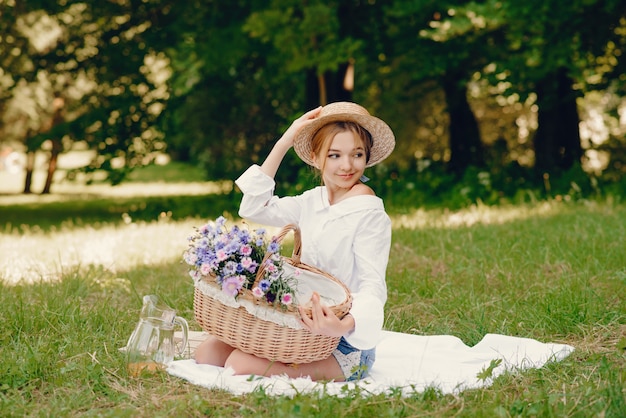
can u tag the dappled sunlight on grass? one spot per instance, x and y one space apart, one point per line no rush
32 255
173 178
70 191
45 256
475 214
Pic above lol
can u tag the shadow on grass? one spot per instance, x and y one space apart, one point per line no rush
98 210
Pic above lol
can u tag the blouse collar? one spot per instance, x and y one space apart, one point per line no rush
349 205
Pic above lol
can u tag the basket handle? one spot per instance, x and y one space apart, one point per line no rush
339 310
295 255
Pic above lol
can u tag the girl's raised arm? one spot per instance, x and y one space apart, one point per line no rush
282 146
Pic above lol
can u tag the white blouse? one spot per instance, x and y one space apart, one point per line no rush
349 240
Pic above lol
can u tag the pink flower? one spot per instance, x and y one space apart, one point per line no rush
286 299
221 255
241 279
205 269
257 292
246 262
245 250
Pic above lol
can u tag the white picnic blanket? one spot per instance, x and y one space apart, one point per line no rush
410 363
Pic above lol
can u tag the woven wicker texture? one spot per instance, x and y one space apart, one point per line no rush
240 329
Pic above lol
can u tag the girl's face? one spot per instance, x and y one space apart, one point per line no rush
344 162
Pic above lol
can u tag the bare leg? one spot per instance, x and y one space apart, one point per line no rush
244 363
213 351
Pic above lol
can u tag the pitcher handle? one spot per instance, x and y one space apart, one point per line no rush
182 322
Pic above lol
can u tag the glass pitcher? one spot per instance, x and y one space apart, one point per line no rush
151 346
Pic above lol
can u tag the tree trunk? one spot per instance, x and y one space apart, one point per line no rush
557 139
311 90
323 91
57 147
466 148
329 88
30 166
336 88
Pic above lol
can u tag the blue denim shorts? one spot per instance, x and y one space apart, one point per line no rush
355 364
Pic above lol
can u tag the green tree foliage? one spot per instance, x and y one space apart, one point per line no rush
442 45
230 98
547 50
253 68
310 37
219 81
89 71
558 53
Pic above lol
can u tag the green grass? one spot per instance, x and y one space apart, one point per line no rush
173 172
552 271
95 210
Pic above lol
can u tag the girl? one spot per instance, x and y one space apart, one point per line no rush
345 232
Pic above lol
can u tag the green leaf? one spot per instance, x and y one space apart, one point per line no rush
487 373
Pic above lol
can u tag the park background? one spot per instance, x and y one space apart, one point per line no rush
123 124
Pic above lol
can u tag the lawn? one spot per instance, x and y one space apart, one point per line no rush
74 271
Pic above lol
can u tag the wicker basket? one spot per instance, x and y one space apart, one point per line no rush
237 327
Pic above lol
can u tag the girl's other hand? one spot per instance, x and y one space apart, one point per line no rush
323 320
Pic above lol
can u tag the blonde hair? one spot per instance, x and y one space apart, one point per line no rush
323 138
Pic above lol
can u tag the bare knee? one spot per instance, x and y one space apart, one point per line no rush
212 351
243 363
237 360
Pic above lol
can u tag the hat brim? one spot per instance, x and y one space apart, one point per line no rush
383 139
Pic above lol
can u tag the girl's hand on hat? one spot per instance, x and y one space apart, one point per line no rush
284 144
290 134
323 320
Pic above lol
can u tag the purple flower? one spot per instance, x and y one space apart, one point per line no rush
231 257
253 267
244 237
232 247
273 247
231 285
264 285
230 268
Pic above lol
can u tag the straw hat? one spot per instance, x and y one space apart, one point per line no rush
382 136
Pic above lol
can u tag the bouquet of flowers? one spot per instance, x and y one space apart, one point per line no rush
232 259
